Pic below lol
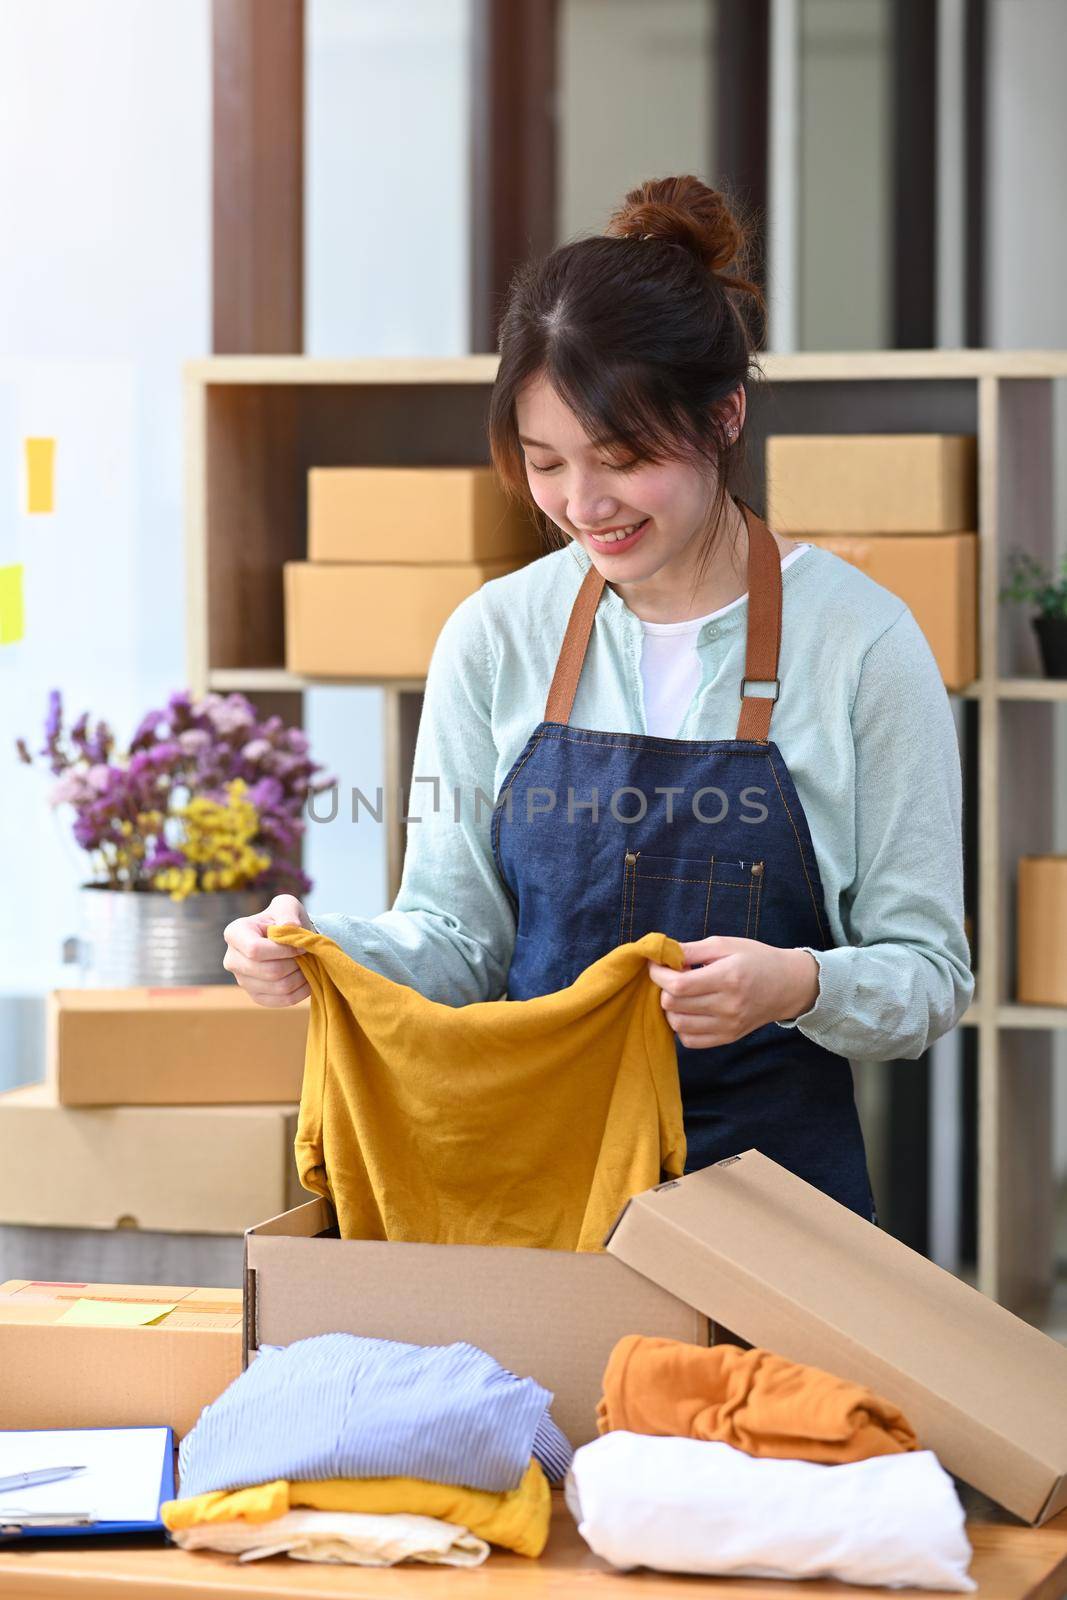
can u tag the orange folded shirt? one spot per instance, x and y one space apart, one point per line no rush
752 1399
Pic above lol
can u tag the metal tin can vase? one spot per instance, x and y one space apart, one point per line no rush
142 938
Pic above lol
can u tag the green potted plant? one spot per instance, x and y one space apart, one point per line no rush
1031 583
195 823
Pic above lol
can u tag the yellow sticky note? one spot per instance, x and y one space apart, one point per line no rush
40 475
115 1313
12 618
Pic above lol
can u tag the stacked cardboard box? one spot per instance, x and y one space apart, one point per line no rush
391 553
902 508
114 1355
168 1109
1041 901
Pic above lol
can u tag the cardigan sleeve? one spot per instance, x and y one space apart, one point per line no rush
450 932
905 977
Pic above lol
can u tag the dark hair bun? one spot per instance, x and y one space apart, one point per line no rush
686 212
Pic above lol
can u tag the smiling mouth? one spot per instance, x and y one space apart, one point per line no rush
612 540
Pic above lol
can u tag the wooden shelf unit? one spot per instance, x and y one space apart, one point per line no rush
255 424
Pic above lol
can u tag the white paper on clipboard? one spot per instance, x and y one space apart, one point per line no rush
124 1468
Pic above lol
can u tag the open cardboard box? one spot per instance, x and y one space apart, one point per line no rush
745 1243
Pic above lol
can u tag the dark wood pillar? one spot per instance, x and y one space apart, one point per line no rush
741 114
257 212
258 177
513 149
914 213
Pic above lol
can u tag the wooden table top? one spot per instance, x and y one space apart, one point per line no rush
1011 1562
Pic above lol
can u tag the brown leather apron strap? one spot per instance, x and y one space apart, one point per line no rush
763 645
572 652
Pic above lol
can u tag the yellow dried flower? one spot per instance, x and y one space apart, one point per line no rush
218 840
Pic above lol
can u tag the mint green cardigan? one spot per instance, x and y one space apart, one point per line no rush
863 722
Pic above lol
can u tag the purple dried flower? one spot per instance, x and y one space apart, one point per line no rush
102 744
192 746
53 721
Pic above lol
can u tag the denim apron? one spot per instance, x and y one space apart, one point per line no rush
601 837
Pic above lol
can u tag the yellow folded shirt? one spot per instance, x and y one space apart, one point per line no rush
516 1519
504 1122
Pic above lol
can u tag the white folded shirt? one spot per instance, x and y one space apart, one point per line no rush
693 1505
357 1538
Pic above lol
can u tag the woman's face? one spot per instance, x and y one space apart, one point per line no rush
587 492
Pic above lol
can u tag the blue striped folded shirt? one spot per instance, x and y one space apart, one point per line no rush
340 1405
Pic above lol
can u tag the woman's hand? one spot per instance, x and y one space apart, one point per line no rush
744 985
268 971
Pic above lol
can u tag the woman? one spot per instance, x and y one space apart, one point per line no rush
746 743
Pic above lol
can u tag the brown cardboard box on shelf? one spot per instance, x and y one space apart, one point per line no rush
936 577
415 514
176 1169
207 1045
63 1374
375 620
744 1242
871 483
1041 956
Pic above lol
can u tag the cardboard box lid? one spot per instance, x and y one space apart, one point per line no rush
789 1269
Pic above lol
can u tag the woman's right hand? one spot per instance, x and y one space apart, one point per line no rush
268 971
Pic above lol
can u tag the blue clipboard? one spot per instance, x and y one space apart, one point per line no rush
15 1532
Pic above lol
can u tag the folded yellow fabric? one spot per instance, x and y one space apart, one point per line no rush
516 1519
752 1399
504 1122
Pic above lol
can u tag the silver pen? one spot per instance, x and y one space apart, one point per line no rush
24 1480
17 1519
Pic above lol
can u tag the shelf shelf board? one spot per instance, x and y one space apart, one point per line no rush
804 367
1042 689
277 678
267 680
1031 688
1014 1015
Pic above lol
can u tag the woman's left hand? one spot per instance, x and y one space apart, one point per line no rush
744 985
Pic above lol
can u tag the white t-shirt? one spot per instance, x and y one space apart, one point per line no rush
670 665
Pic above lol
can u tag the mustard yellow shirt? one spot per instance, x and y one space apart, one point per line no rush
503 1122
517 1519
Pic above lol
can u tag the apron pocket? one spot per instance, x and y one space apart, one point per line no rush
689 898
